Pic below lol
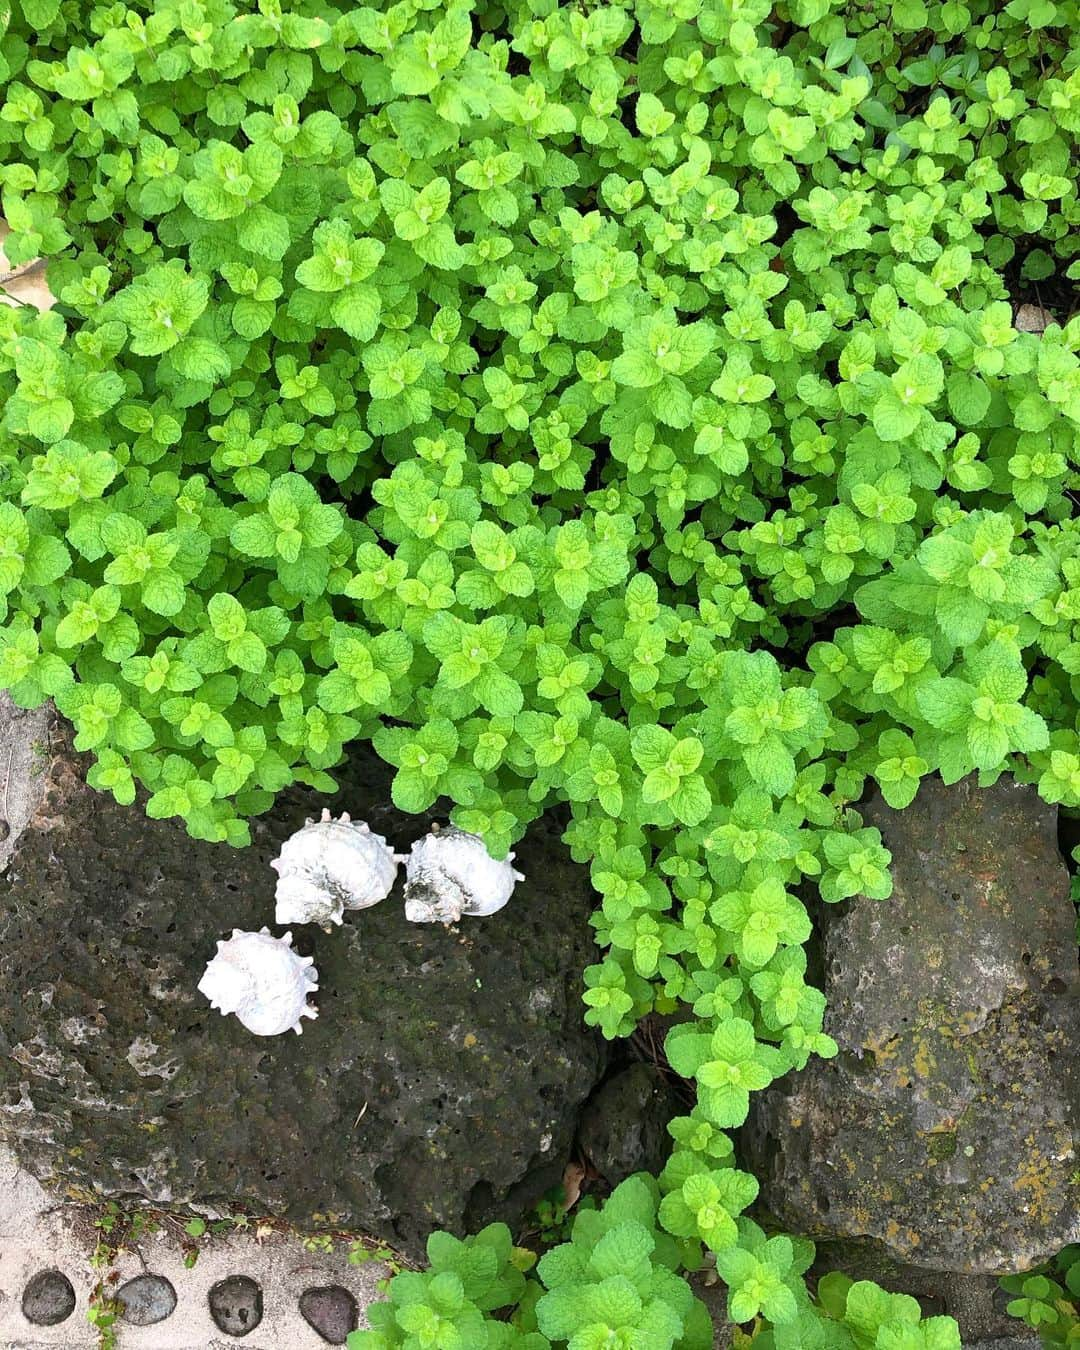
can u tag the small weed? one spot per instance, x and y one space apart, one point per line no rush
102 1313
1048 1298
363 1250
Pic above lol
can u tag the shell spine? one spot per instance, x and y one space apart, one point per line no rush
329 866
450 873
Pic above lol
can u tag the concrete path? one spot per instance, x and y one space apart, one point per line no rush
38 1235
24 734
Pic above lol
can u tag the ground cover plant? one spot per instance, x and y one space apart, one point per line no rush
615 403
1048 1299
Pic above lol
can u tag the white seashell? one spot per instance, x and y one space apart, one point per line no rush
263 981
330 866
450 873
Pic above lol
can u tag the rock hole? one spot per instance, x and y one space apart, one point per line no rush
479 1204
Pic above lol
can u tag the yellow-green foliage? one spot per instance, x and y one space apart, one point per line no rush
612 403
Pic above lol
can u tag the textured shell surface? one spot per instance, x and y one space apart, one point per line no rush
262 980
450 873
330 866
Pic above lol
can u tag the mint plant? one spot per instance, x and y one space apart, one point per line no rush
618 406
1048 1298
444 1307
613 1283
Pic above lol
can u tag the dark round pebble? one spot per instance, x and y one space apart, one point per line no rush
147 1299
236 1305
48 1298
331 1311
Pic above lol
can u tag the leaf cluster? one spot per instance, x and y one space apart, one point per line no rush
610 404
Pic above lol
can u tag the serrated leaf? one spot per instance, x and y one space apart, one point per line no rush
357 311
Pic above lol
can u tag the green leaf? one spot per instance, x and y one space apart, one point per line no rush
264 232
46 560
201 359
572 587
968 398
893 419
636 368
164 593
254 535
357 311
946 703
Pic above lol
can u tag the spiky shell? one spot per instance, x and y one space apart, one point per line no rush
330 866
450 873
262 980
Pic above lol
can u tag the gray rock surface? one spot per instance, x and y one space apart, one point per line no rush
1006 1343
946 1128
623 1128
24 737
439 1086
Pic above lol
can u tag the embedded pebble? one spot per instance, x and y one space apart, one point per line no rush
147 1299
48 1298
236 1305
331 1311
1032 319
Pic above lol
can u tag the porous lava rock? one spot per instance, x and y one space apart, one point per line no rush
439 1086
331 1311
946 1128
236 1305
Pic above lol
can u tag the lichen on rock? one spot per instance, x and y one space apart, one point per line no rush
946 1129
